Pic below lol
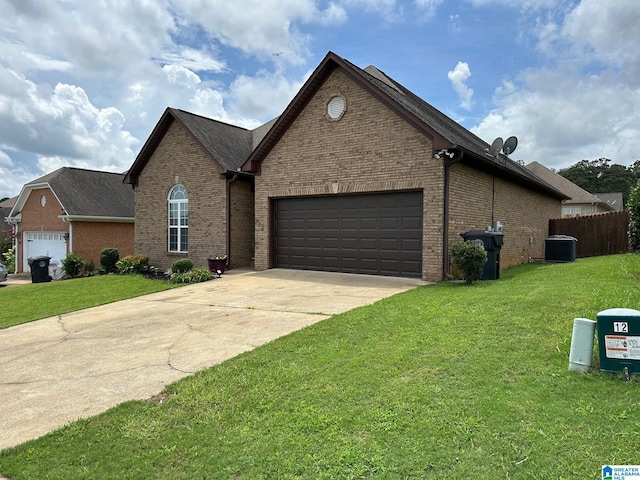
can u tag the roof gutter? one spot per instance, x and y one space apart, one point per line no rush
91 218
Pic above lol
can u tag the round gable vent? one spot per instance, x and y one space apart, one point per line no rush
336 108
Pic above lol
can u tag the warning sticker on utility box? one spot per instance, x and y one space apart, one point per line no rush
620 346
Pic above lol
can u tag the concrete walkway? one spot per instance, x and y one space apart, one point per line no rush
77 365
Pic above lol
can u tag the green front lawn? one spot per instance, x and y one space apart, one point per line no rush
34 301
444 381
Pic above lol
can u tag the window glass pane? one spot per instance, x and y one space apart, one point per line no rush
173 214
173 239
178 193
184 215
184 239
178 219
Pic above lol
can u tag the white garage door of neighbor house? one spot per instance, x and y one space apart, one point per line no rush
51 244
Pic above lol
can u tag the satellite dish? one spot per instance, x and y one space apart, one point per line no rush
510 145
496 146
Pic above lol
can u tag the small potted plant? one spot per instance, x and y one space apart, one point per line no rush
217 264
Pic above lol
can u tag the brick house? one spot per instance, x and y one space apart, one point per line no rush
580 201
72 210
191 199
360 175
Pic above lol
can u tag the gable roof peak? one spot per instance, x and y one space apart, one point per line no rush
380 75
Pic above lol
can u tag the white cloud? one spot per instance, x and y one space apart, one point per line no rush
333 15
584 104
254 26
63 122
557 117
429 7
265 95
386 8
181 76
196 60
5 160
458 77
609 30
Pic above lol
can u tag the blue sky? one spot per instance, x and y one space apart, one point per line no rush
84 83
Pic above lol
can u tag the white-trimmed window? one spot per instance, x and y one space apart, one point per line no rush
178 219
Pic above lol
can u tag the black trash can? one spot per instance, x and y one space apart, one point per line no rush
39 269
492 243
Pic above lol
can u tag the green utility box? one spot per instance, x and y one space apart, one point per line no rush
619 340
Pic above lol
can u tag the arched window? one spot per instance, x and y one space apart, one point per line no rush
178 219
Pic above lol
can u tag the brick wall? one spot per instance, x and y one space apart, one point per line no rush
370 149
478 198
36 218
179 159
242 223
89 238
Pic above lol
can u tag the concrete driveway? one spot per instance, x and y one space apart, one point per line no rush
77 365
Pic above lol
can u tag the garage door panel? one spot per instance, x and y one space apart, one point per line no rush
50 244
369 233
411 244
412 222
389 223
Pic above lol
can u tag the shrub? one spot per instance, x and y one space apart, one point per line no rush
73 264
6 240
633 205
108 259
182 266
9 259
470 258
133 264
200 274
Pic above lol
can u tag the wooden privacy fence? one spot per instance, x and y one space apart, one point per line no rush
603 234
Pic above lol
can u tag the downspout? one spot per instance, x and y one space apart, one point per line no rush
445 216
228 248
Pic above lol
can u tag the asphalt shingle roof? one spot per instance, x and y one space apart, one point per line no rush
445 132
228 145
90 193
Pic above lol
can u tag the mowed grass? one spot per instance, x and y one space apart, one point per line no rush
25 303
444 381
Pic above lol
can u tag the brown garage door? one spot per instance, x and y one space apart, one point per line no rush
377 234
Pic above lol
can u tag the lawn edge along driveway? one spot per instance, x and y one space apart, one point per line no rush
76 365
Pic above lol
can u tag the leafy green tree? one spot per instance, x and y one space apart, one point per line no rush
633 205
6 240
601 176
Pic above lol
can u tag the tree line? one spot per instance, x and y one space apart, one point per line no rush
603 176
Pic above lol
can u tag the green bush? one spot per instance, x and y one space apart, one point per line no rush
633 205
470 258
108 259
9 259
182 266
133 264
73 264
200 274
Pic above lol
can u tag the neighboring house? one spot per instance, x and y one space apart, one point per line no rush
73 210
614 200
580 202
192 201
5 209
360 175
